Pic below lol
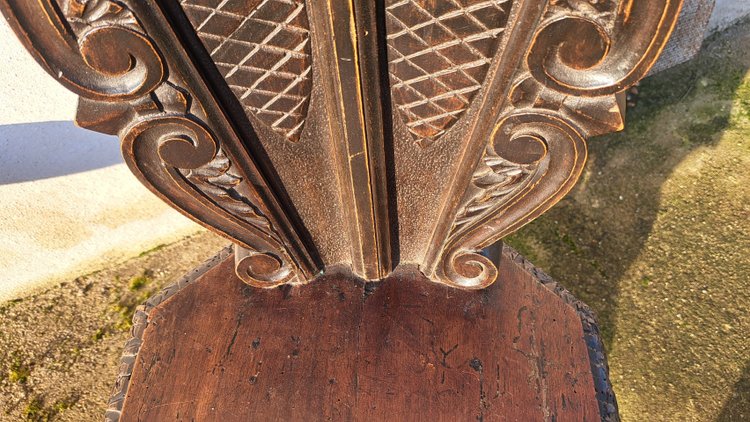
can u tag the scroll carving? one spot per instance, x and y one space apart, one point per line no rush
165 141
261 269
576 55
260 265
515 85
553 153
78 61
169 151
583 54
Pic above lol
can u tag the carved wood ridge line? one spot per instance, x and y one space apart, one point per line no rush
321 133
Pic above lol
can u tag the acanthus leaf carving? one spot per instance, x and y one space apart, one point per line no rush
217 179
556 151
583 55
496 180
258 265
167 151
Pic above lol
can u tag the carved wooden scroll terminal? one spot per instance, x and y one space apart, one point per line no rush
319 134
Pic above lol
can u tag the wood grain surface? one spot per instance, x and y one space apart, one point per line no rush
340 349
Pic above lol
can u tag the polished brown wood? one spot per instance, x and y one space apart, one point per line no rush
212 348
366 135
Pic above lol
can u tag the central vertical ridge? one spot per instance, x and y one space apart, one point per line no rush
361 153
370 52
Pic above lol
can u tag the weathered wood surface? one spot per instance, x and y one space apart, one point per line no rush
339 349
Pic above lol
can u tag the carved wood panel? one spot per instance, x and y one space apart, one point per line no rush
262 48
319 134
438 57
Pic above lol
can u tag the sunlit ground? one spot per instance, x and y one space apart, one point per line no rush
656 238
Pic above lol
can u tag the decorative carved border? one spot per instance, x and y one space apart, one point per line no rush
140 322
547 74
568 86
173 137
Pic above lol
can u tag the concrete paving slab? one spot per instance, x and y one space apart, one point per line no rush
727 12
68 204
60 228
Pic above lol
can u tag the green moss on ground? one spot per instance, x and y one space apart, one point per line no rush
656 239
34 409
139 282
60 349
140 288
19 370
37 411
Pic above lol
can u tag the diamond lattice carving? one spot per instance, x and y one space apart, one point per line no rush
262 47
439 53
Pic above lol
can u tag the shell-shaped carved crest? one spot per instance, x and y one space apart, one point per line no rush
262 47
438 54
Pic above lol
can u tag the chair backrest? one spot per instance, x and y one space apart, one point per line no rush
359 134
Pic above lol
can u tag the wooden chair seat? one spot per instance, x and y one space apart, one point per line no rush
211 348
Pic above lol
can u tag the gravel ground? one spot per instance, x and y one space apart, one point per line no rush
656 238
60 349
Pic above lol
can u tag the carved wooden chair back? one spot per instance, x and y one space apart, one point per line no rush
358 134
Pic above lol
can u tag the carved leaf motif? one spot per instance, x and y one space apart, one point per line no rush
82 14
497 179
439 53
598 9
218 181
262 48
568 62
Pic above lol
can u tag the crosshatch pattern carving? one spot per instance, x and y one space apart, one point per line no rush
439 54
262 48
560 80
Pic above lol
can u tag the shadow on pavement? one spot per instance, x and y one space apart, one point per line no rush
737 407
600 240
590 239
33 151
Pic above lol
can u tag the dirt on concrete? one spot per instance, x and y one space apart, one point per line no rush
656 238
60 349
